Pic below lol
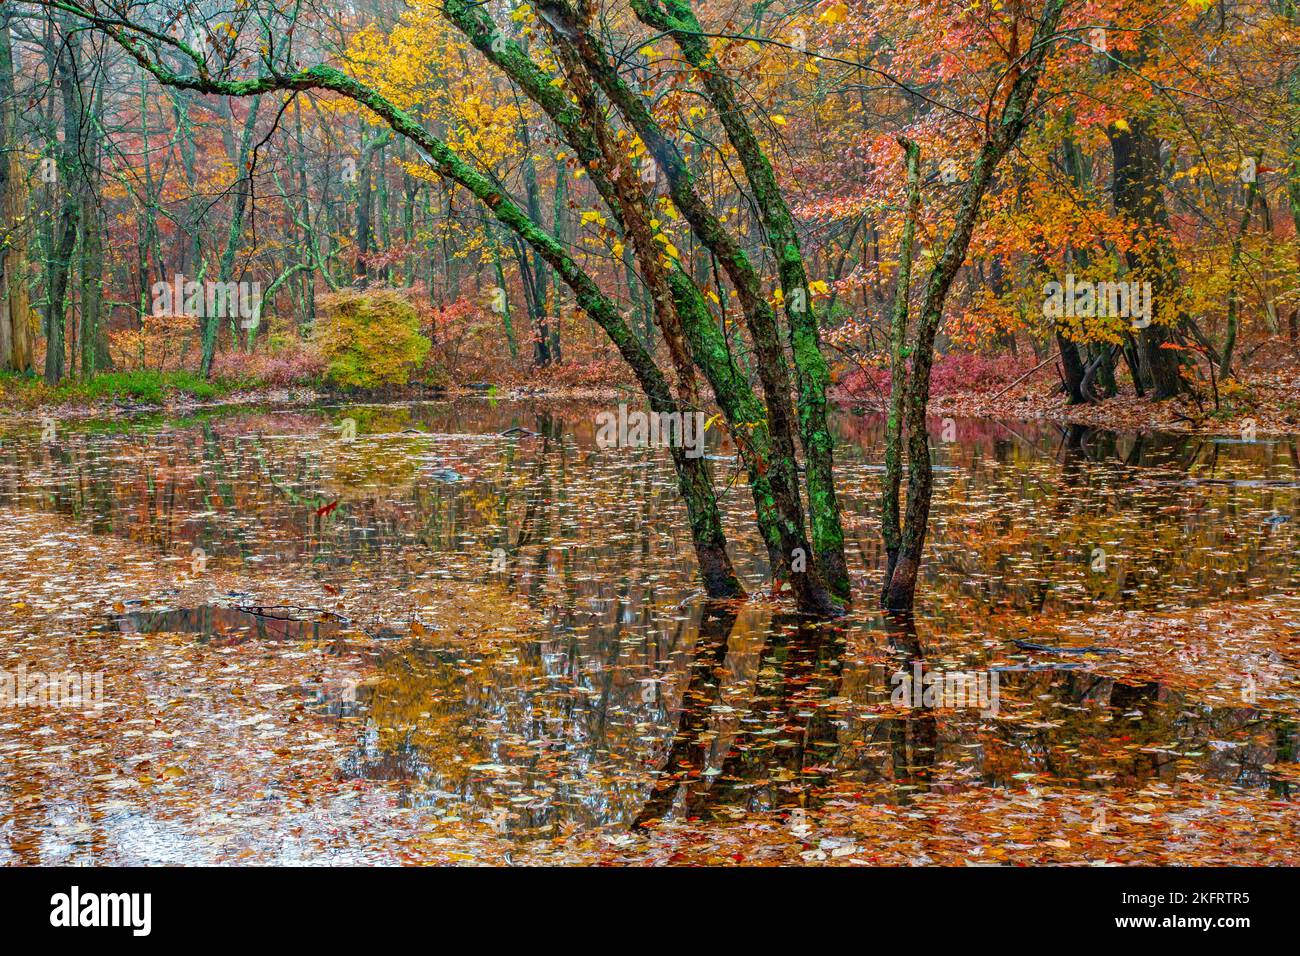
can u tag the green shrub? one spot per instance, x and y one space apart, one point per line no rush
369 339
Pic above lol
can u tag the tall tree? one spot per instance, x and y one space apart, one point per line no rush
15 320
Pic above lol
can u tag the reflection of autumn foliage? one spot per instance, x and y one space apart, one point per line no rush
415 706
389 464
532 710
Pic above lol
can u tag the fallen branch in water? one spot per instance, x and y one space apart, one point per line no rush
266 613
1030 646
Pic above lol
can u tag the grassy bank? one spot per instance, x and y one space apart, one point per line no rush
140 387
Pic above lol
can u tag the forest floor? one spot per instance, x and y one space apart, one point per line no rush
1267 394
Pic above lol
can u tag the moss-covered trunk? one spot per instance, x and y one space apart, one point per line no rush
812 375
900 591
890 529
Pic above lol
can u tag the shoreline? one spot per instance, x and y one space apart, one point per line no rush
1027 403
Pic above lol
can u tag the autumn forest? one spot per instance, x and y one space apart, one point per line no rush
811 433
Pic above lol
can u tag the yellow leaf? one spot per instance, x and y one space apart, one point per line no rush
833 14
778 119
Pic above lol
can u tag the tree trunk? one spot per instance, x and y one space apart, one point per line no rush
93 335
812 376
1138 195
890 529
901 591
15 310
1071 368
64 236
780 466
243 189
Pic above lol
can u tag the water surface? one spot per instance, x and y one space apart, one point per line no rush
628 698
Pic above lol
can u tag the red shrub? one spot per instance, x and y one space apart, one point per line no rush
297 364
951 374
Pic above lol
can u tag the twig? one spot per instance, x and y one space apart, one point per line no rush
1049 358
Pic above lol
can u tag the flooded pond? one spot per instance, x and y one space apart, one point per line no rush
536 658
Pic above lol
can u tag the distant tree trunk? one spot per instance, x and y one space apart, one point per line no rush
64 236
365 232
15 310
1075 371
307 228
1234 284
361 271
1138 195
385 215
558 231
534 272
502 300
94 338
147 235
1134 364
190 264
94 335
1071 369
64 240
226 269
405 200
